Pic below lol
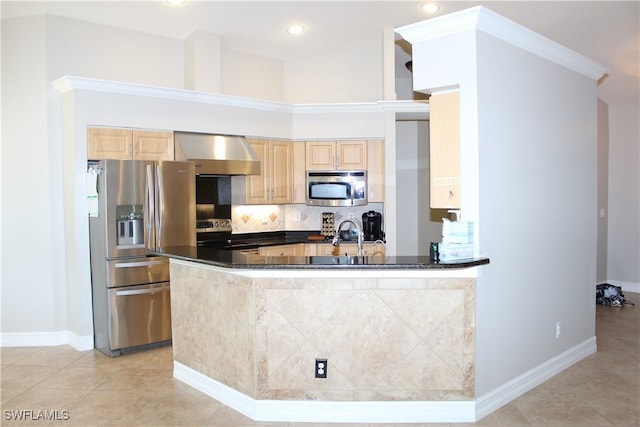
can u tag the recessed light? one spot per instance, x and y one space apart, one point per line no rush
175 2
430 8
295 29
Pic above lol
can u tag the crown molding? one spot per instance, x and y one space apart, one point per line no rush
482 19
71 83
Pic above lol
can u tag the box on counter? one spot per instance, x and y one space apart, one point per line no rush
454 251
457 231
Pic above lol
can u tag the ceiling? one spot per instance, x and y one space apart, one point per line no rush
607 32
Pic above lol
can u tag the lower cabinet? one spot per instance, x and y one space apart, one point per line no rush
322 249
368 249
296 249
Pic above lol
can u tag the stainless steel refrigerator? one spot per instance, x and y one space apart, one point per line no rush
140 205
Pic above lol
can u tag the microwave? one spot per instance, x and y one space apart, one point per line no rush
336 188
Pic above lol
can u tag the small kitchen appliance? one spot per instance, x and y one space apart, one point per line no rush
372 226
336 188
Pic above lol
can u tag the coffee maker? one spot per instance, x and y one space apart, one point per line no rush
372 226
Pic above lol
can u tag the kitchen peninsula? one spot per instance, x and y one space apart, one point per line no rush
397 334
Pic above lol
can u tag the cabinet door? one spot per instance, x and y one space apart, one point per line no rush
371 249
444 150
283 250
327 249
281 174
109 143
375 170
320 155
257 191
351 155
299 173
310 249
152 145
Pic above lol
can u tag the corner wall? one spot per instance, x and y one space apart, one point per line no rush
528 140
537 141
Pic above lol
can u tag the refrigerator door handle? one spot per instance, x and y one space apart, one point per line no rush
149 211
142 291
159 216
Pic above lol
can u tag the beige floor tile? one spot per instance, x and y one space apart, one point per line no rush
404 425
10 355
41 406
507 416
225 416
16 379
111 408
181 408
148 380
78 378
53 356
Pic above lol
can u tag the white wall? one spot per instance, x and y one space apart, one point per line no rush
83 49
415 225
32 282
603 189
623 266
348 73
252 76
538 210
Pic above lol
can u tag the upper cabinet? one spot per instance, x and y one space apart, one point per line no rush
274 185
129 144
444 150
336 155
299 173
375 170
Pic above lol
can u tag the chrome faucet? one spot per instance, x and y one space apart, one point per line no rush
336 238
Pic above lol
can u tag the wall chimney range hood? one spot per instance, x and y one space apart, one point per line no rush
217 154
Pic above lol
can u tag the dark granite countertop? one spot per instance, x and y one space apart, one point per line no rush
237 259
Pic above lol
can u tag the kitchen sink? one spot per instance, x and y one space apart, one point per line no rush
341 260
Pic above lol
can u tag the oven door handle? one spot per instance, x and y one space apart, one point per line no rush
142 291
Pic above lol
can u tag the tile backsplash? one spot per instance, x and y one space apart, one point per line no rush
260 218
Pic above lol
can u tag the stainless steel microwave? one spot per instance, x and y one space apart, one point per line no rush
336 188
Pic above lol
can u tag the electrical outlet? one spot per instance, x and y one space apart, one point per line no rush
557 330
321 368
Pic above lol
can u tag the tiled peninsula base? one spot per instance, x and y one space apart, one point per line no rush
399 344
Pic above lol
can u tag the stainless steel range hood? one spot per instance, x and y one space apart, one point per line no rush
217 154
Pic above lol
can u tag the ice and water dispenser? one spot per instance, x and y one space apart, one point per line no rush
130 225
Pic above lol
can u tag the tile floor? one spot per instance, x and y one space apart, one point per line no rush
89 389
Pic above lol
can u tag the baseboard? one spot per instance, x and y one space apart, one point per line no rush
324 411
384 411
533 378
626 286
46 339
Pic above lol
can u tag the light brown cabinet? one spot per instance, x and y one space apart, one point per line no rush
368 249
299 173
296 249
444 150
274 185
129 144
375 170
336 155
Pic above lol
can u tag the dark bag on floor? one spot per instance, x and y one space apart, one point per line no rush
607 294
